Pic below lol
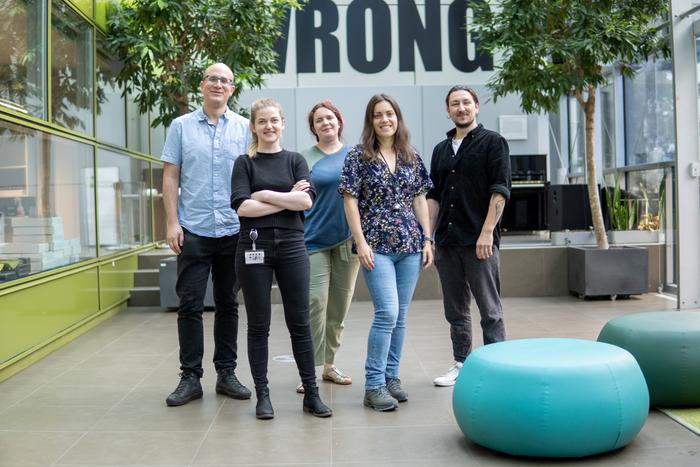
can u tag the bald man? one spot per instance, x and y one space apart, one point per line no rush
203 231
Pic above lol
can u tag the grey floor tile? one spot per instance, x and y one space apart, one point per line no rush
437 444
135 448
32 417
265 443
76 395
198 415
34 448
101 398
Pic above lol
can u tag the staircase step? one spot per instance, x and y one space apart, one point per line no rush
147 278
151 259
145 296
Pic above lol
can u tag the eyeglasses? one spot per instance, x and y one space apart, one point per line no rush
213 80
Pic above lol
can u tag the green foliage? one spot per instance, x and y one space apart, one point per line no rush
166 45
623 212
552 48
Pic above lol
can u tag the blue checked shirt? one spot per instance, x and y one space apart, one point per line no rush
205 154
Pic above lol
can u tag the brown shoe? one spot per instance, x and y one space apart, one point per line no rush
300 388
336 376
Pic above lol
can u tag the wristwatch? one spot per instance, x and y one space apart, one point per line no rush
428 239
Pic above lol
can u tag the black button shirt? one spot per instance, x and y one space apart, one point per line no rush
463 184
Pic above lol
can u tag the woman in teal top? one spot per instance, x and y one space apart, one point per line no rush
333 265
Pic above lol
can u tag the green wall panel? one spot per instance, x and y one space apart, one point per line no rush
83 5
33 315
116 279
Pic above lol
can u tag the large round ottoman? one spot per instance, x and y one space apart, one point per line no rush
550 397
667 346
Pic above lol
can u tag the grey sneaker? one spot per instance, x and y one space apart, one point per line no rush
379 399
393 385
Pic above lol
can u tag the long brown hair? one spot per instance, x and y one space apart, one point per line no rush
326 105
405 153
254 109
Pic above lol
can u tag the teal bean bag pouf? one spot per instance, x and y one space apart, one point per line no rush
666 345
550 397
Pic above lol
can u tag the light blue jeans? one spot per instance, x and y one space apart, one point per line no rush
391 284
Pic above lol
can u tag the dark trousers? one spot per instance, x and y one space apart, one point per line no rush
199 256
462 275
287 258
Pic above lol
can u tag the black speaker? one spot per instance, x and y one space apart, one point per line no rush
568 207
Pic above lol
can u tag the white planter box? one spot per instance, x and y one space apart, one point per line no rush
629 237
572 237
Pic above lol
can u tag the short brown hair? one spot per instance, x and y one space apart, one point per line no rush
461 87
326 105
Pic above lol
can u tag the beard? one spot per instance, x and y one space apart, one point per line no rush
466 124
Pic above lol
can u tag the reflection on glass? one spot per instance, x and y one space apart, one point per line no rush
44 202
607 107
160 226
649 114
111 119
22 57
577 138
137 127
123 190
71 69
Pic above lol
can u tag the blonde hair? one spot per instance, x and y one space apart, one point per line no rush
257 106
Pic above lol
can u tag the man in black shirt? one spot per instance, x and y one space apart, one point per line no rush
470 171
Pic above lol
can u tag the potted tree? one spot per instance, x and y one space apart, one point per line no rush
549 49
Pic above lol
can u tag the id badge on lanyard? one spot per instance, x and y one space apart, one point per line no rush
254 256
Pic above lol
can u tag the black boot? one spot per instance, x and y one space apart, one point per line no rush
313 403
188 389
228 384
263 408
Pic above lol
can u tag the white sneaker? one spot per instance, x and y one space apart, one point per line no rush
449 378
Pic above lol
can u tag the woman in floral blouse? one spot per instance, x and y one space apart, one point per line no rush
383 184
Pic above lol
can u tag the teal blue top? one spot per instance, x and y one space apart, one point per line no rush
325 225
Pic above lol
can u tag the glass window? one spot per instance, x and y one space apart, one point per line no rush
577 138
607 107
647 189
160 224
157 140
111 112
649 114
22 57
46 201
137 127
71 69
123 191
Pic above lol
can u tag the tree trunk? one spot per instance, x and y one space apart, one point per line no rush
591 181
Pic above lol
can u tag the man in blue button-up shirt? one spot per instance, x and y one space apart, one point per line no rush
203 230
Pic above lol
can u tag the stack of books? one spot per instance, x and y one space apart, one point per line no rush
40 240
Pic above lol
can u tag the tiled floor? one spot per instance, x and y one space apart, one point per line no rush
99 401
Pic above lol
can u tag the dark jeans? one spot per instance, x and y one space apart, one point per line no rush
286 256
462 275
199 256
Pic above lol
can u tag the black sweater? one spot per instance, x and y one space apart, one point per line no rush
269 171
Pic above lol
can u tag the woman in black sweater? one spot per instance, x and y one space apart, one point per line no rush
270 191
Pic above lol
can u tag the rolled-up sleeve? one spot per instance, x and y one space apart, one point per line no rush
350 176
172 150
240 181
423 183
498 170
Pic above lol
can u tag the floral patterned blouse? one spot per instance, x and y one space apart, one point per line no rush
385 201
